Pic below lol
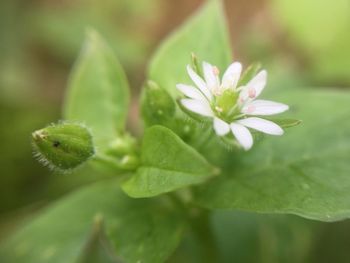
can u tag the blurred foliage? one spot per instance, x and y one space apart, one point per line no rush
249 238
39 42
60 26
320 28
302 42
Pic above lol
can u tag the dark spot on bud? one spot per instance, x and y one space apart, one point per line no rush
56 144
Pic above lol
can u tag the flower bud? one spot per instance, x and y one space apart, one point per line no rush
121 155
63 146
122 145
157 106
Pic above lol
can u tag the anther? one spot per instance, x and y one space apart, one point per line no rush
252 93
218 109
216 71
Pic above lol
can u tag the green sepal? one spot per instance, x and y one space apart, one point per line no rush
196 65
285 123
249 73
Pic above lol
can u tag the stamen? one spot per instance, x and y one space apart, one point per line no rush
252 93
218 109
216 71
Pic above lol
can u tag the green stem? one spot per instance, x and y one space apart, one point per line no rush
203 232
204 139
201 228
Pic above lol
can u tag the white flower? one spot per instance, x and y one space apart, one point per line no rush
231 107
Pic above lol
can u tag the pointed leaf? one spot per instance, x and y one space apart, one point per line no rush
98 91
167 164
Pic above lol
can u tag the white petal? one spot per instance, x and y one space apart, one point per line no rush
243 135
264 107
221 128
232 75
262 125
199 82
210 77
191 92
254 87
197 106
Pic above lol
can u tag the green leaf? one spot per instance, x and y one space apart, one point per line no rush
146 230
98 91
167 164
304 172
205 34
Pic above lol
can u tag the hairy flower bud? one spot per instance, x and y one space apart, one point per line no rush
63 146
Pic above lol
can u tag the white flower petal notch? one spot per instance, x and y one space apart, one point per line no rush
233 109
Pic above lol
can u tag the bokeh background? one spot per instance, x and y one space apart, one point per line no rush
302 42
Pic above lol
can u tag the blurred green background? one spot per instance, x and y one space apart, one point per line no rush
300 42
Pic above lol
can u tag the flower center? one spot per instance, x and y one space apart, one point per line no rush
226 106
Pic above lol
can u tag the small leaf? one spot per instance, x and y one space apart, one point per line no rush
98 91
167 164
146 230
205 35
